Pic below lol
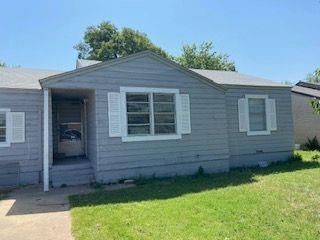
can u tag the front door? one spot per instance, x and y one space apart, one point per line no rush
70 129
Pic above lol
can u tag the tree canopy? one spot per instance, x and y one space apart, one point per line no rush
204 57
314 77
105 42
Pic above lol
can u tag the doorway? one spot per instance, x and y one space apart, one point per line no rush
69 129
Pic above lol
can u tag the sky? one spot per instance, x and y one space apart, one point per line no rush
275 39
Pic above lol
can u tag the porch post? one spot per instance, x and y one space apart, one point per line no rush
45 140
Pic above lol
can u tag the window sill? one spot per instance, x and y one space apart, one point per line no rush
4 144
258 133
150 138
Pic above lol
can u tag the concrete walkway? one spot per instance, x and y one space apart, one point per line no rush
29 213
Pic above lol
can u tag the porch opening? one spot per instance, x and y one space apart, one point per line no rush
70 126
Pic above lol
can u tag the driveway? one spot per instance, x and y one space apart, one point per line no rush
29 213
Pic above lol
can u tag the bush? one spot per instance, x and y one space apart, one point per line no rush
295 157
96 185
200 171
141 180
312 144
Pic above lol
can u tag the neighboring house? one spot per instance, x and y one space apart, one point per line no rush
306 124
137 115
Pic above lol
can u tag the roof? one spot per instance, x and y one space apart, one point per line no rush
29 78
220 77
235 78
84 63
23 78
308 89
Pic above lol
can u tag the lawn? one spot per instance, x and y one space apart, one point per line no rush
278 202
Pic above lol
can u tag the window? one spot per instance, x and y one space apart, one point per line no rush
138 113
150 113
164 113
257 114
3 127
147 114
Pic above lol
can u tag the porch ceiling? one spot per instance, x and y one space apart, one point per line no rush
70 94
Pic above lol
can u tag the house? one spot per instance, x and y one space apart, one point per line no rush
306 124
137 115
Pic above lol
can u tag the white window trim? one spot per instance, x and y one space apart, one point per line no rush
124 130
257 133
7 143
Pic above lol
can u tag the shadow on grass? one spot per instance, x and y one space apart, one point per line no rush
166 188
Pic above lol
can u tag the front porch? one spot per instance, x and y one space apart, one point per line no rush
67 160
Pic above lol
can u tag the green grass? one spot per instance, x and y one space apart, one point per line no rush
278 202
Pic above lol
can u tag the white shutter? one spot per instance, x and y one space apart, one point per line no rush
185 122
114 114
243 115
17 127
272 114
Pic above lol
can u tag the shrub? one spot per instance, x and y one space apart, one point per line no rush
312 144
96 185
200 171
141 180
316 157
295 157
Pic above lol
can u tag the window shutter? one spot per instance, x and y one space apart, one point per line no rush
185 114
272 114
17 127
114 114
243 115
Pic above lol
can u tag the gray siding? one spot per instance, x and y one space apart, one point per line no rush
248 150
207 145
306 123
29 153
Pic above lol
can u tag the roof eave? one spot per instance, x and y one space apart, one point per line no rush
261 86
306 94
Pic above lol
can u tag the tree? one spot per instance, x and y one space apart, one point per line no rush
2 64
105 42
315 104
314 77
203 57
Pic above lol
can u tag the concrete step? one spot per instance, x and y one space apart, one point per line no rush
69 175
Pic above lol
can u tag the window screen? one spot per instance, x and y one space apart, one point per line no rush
257 114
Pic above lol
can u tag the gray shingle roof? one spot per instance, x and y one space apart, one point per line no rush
23 78
235 78
29 78
309 89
